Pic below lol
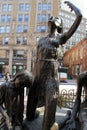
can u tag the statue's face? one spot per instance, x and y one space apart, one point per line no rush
21 83
58 22
51 27
23 79
55 23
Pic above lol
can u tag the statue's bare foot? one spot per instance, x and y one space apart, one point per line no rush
55 126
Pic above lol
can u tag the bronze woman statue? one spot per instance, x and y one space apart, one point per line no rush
45 82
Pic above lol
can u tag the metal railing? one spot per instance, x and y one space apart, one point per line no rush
67 98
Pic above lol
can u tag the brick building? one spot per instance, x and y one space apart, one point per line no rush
76 58
22 23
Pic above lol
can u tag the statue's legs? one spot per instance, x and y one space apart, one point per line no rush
83 116
32 101
21 107
50 104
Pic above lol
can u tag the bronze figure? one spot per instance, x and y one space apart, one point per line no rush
80 108
12 97
45 82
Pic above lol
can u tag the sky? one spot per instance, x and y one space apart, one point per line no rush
82 5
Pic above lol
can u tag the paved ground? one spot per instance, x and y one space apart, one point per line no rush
37 123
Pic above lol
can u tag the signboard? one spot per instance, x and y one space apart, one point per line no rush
62 73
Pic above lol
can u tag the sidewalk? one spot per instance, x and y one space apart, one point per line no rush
70 81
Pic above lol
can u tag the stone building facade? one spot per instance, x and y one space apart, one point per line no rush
22 23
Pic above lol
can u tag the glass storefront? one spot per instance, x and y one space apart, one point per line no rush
16 68
2 70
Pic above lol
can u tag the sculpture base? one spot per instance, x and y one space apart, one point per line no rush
37 123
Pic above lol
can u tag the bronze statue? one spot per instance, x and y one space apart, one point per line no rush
80 109
45 82
12 97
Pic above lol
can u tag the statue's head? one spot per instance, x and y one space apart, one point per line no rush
23 79
57 22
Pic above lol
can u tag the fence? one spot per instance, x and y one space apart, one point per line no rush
67 98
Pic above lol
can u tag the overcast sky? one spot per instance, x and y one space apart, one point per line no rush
82 4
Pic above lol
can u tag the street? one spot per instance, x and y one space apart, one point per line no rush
68 85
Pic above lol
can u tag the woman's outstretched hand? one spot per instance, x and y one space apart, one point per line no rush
73 7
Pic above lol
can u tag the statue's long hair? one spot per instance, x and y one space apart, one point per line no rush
23 78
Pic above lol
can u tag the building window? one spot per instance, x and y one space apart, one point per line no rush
18 53
2 29
24 40
10 7
18 40
43 28
8 18
13 70
27 7
19 29
16 68
44 6
39 18
38 29
21 7
49 15
39 6
7 29
43 17
20 18
25 28
49 6
6 40
37 39
2 18
4 8
26 18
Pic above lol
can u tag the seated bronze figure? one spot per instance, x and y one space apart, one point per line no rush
12 98
46 68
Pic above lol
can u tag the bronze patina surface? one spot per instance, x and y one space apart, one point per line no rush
45 83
